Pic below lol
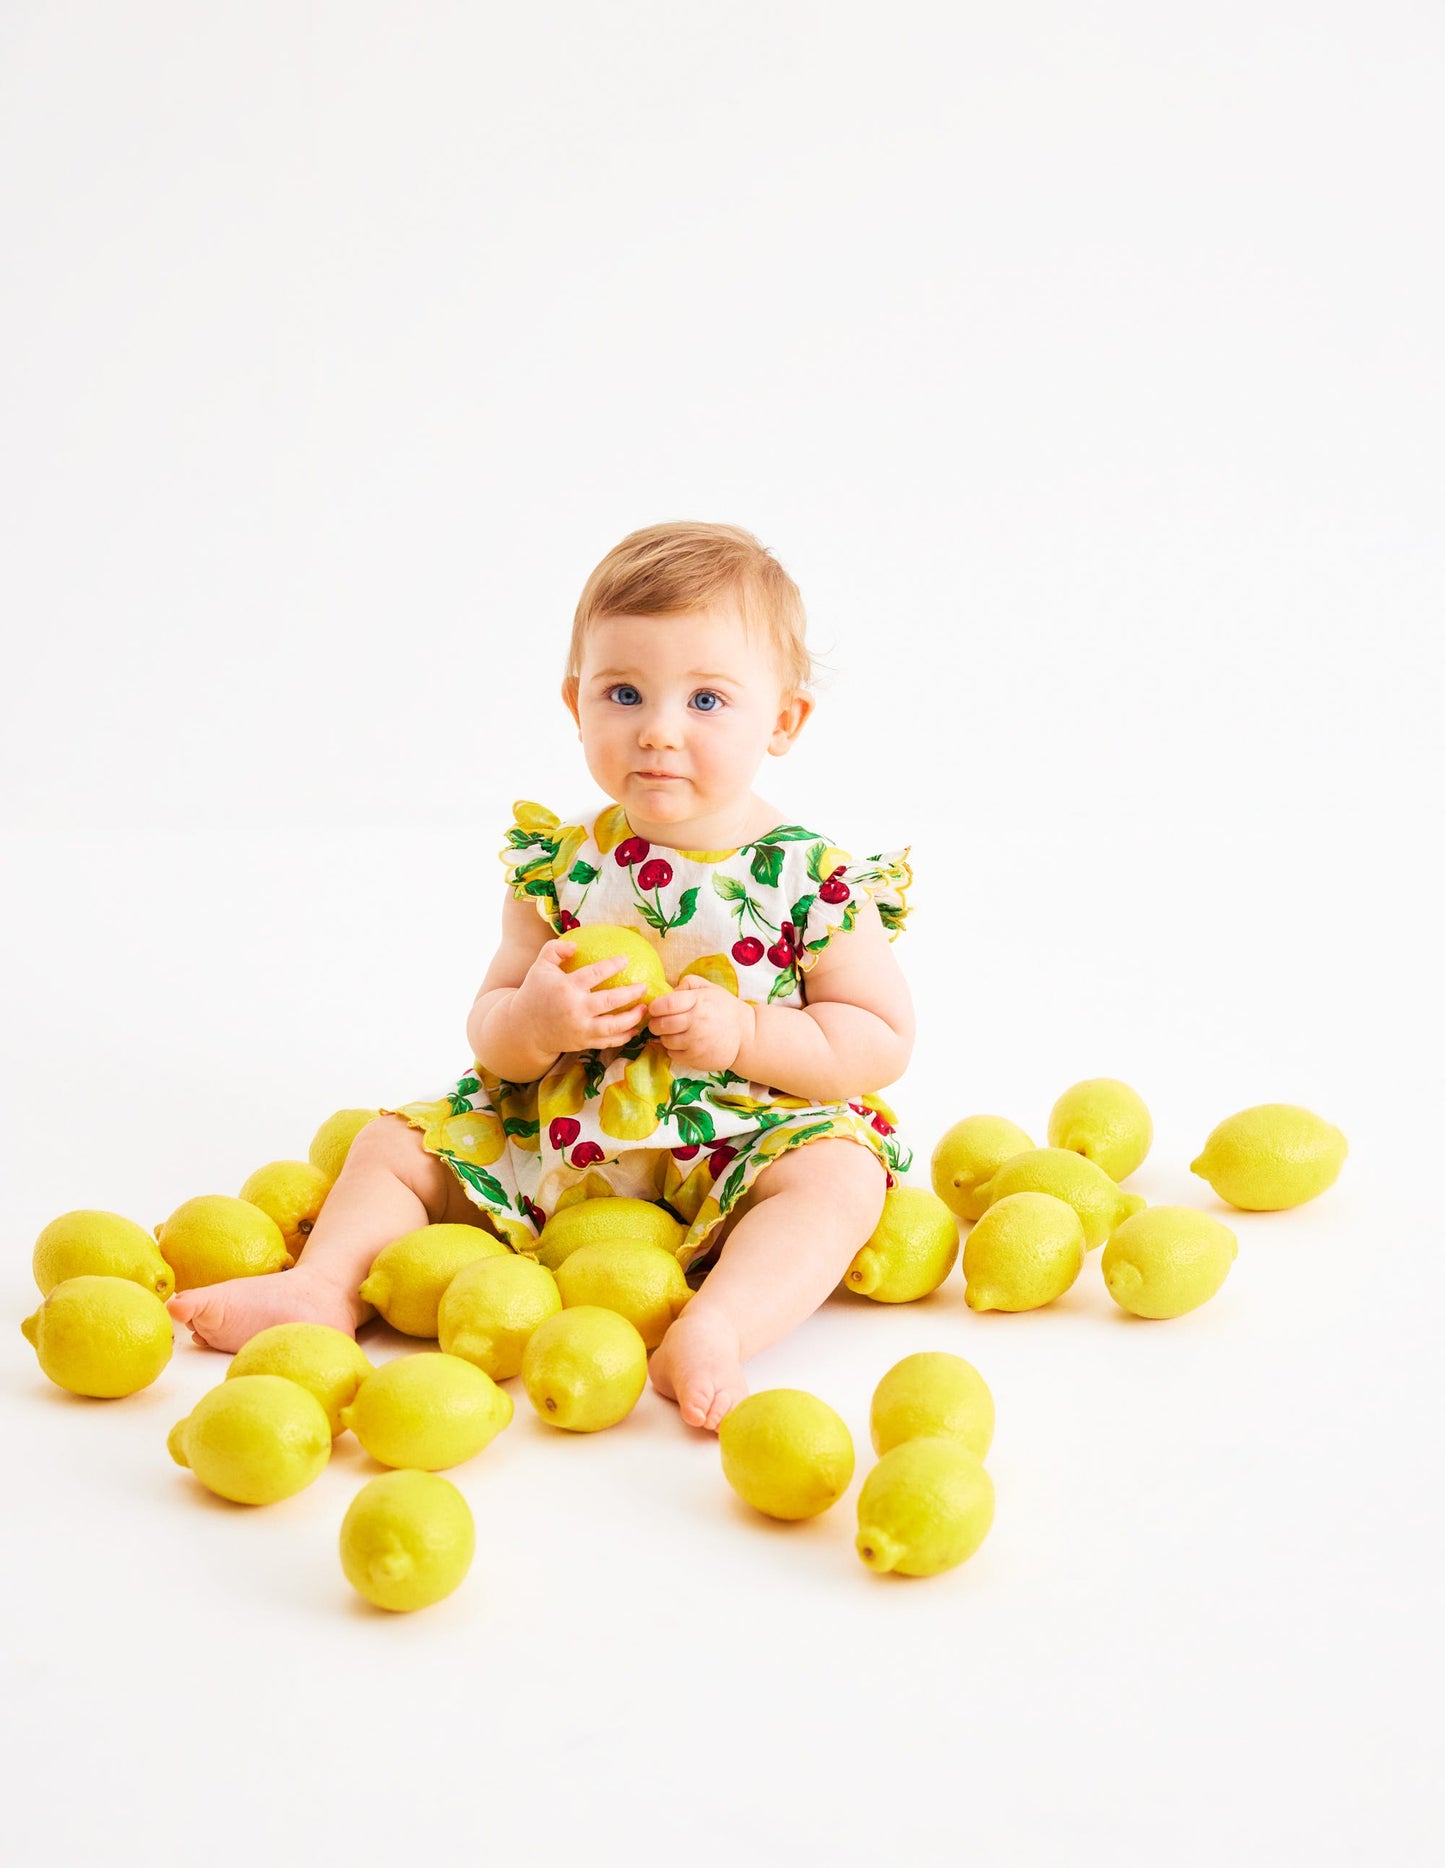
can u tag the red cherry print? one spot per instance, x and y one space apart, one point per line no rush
861 1108
654 875
686 1154
789 935
838 871
566 919
631 850
562 1131
718 1159
883 1128
781 954
888 1180
749 951
532 1211
585 1153
834 891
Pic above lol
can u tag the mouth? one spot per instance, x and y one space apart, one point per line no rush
656 775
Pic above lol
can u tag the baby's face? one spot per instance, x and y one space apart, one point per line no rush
677 712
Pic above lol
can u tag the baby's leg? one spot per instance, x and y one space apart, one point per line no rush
808 1213
389 1185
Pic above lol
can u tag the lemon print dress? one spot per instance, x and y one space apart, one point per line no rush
620 1119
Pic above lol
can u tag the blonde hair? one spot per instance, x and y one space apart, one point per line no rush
682 566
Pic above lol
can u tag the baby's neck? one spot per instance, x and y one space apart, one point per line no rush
725 829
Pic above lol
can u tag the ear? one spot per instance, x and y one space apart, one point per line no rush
794 711
569 697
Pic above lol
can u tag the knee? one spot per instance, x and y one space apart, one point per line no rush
388 1142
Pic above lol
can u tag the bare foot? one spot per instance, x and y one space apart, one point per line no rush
223 1316
697 1365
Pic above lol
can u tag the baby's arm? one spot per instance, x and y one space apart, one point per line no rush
529 1010
855 1034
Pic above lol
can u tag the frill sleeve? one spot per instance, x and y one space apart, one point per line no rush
883 879
539 851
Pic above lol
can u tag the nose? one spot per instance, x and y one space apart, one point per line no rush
661 730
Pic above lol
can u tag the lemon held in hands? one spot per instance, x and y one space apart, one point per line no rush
99 1336
786 1453
89 1243
1272 1156
642 962
407 1540
254 1440
1104 1120
912 1249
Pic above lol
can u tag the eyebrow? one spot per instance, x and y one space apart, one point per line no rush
693 674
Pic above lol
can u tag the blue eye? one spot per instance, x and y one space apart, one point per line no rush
714 696
621 688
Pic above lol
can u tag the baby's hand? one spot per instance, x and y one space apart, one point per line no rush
562 1012
703 1026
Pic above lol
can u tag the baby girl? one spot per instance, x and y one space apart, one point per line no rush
743 1099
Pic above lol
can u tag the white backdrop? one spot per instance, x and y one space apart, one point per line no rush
1083 365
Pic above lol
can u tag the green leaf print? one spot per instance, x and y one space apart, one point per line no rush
487 1185
688 1089
515 1125
730 888
686 908
695 1125
732 1186
800 911
467 1087
767 864
783 984
582 872
890 914
794 833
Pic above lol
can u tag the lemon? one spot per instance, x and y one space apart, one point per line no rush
324 1360
215 1237
786 1453
1104 1120
968 1155
1167 1260
291 1192
407 1277
491 1307
640 1282
584 1368
1271 1156
254 1440
932 1395
925 1507
100 1336
331 1143
1099 1202
642 962
429 1410
407 1539
912 1250
101 1245
614 1216
1026 1250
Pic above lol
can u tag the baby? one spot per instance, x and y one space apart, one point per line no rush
742 1100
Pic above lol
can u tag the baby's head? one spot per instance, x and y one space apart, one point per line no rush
688 664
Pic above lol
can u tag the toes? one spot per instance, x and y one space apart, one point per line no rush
693 1404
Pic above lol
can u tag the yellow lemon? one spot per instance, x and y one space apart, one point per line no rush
643 1283
628 1111
786 1453
642 964
717 968
1272 1156
912 1249
1106 1121
326 1361
407 1539
1167 1260
407 1277
331 1143
101 1245
215 1237
932 1395
100 1336
1026 1250
926 1506
584 1369
254 1440
1099 1202
291 1193
968 1155
615 1217
429 1410
491 1307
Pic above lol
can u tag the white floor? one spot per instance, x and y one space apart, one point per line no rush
1198 1631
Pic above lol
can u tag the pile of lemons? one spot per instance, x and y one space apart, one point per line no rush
577 1322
